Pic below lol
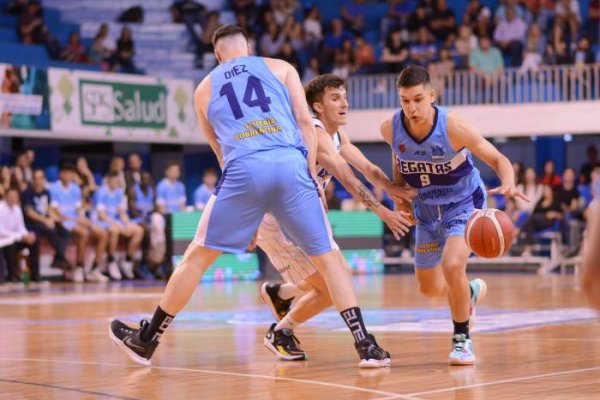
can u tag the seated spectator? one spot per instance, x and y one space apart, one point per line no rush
206 50
18 179
282 9
539 12
84 178
572 204
16 7
397 16
546 212
141 200
487 59
557 53
502 10
191 14
353 15
337 36
465 43
133 174
593 21
40 219
591 163
534 49
271 41
344 60
111 205
23 162
440 72
519 170
472 12
314 69
102 47
550 177
532 189
31 24
567 11
443 21
312 27
510 35
74 51
423 51
13 230
290 55
484 25
67 205
203 193
117 165
5 180
246 7
395 53
420 19
170 198
583 54
295 35
123 57
364 56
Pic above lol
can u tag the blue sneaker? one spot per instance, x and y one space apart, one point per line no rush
478 292
462 350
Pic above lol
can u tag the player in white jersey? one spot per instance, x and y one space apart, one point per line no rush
326 94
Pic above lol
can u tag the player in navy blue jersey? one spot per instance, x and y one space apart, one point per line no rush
432 153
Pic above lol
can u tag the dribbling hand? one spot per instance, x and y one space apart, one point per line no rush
509 191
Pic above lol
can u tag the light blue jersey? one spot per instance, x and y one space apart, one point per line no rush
66 200
144 202
448 185
440 174
250 109
201 196
111 202
170 195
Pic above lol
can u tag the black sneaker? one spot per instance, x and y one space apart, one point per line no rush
371 355
130 341
278 306
284 344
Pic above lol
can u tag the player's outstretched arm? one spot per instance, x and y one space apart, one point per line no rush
463 135
334 163
201 99
399 204
372 172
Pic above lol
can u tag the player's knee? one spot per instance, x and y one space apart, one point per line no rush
431 289
454 270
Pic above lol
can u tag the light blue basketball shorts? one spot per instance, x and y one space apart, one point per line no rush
437 223
275 181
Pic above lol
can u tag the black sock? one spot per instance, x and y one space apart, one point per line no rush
110 258
353 318
128 258
160 322
461 328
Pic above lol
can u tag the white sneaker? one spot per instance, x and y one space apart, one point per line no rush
113 271
96 276
75 275
127 268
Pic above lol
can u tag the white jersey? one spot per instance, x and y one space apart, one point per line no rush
323 176
288 259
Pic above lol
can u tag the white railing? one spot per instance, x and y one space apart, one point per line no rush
545 85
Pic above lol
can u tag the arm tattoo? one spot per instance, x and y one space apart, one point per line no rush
367 198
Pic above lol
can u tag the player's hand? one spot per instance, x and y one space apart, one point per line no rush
401 193
508 191
399 222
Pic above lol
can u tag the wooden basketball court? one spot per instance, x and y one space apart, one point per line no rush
534 339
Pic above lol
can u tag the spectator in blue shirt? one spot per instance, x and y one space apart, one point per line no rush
170 192
204 191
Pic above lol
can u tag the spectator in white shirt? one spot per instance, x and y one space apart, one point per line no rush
13 231
510 35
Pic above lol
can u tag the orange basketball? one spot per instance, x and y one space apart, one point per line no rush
489 233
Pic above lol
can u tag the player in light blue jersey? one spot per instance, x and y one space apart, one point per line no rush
67 202
111 205
254 115
432 153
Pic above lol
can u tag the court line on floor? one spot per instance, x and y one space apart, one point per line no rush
68 389
503 381
238 374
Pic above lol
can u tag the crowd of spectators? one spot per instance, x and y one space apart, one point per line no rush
118 226
103 51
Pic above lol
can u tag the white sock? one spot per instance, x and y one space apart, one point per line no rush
286 323
288 290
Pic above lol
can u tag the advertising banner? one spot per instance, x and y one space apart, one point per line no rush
122 107
23 97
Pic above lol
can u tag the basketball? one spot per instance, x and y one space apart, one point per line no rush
489 233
